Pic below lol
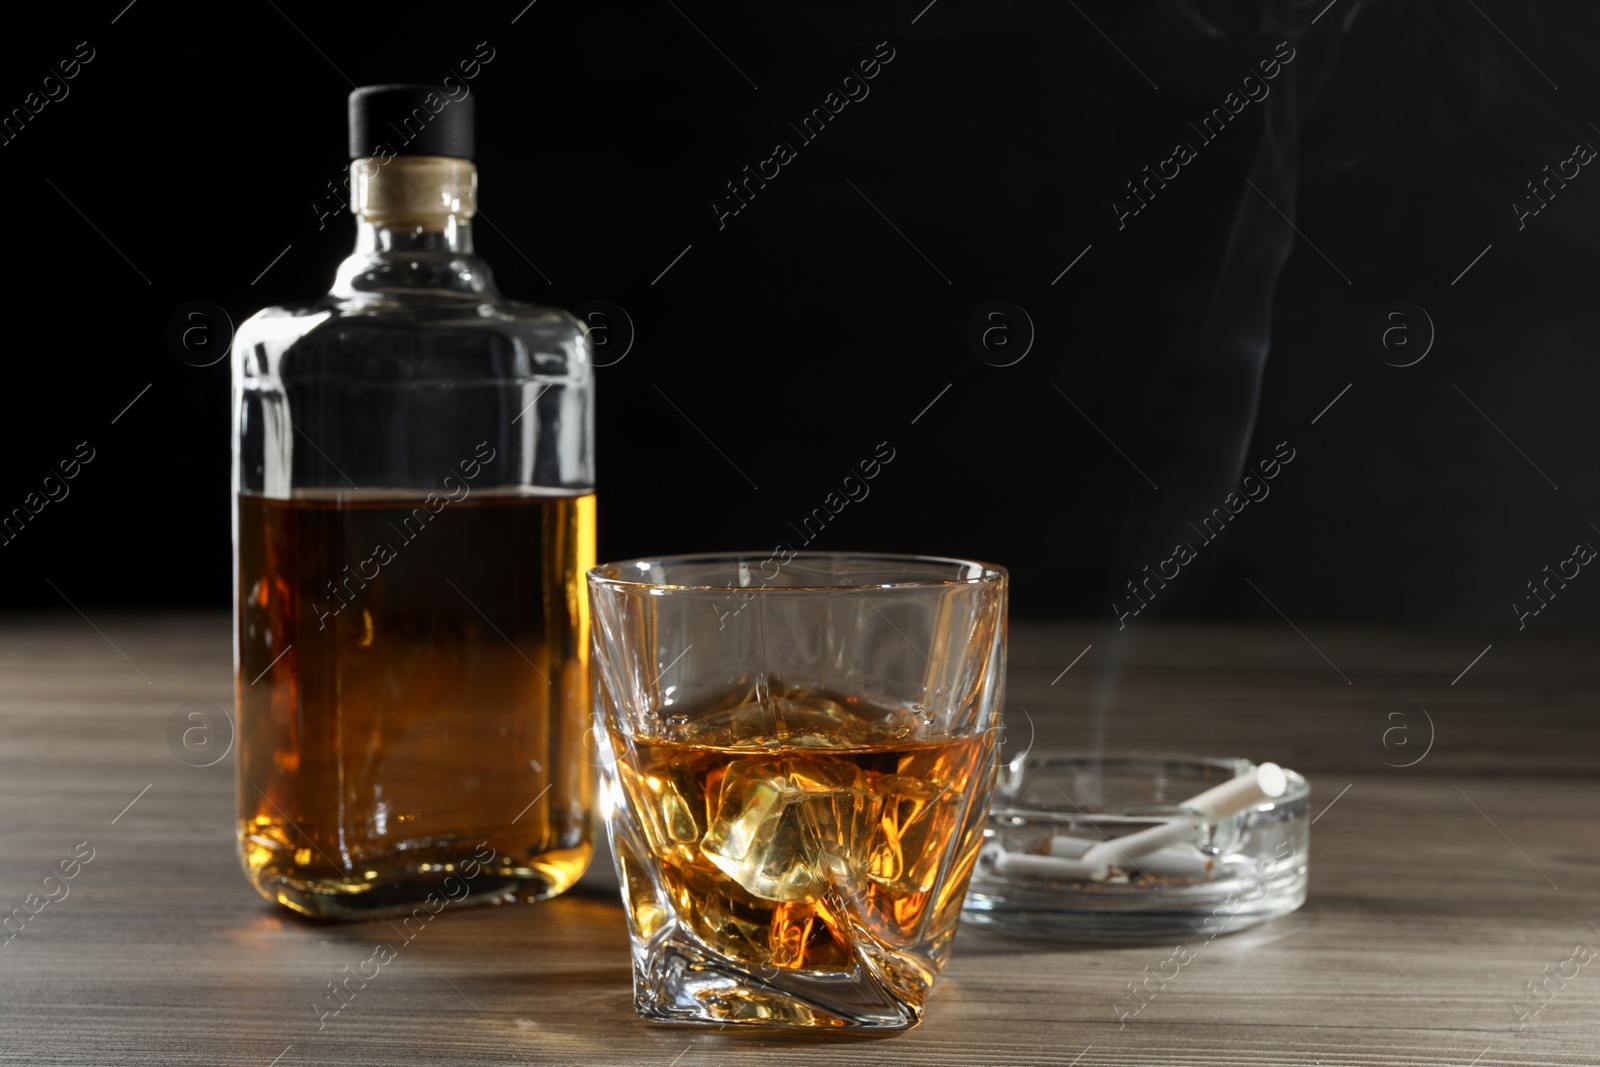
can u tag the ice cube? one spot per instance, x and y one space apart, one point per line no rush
754 836
807 719
665 813
838 811
803 936
916 821
791 830
721 913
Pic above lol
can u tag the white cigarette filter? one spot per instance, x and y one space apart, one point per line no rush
1266 782
1125 851
1176 861
1027 864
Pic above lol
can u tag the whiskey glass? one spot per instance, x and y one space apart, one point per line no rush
798 752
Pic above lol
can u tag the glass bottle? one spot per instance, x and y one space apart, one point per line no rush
414 515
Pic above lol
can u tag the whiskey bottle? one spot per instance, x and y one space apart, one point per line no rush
414 515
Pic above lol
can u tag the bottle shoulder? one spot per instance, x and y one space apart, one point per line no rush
424 310
414 335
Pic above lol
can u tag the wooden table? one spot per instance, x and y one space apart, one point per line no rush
1438 891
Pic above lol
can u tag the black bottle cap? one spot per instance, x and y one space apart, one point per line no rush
410 120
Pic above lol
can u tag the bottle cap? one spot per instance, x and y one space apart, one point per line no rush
410 120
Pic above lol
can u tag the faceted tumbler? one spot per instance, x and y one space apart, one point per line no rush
798 754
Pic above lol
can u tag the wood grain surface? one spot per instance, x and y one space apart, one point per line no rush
1438 890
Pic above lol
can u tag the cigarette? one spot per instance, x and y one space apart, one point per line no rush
1239 794
1035 866
1123 851
1178 861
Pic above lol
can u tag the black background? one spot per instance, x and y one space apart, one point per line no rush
808 329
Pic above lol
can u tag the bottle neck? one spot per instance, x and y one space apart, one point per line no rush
389 238
413 227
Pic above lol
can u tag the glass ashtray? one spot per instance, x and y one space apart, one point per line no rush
1225 874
